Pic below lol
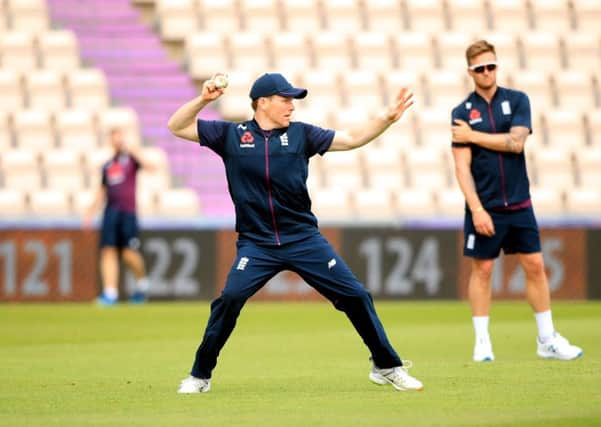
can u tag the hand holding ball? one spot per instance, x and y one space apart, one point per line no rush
220 81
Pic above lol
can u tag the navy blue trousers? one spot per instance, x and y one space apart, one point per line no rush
316 262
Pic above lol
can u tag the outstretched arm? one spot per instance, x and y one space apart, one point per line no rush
183 122
511 142
355 138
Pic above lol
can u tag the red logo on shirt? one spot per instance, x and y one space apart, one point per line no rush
474 114
247 138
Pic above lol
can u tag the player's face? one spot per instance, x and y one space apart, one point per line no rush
279 110
117 140
483 70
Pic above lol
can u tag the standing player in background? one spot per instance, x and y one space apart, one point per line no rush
266 162
489 131
119 232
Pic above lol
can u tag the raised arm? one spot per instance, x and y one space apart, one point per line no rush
511 142
183 122
357 137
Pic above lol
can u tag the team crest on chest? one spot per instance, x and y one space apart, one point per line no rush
475 116
247 140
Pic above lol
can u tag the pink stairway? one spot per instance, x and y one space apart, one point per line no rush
113 38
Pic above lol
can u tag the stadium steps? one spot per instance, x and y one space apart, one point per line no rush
141 75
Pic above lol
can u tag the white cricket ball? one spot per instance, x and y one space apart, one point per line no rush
220 81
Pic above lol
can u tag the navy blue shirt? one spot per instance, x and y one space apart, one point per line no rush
267 174
119 179
501 178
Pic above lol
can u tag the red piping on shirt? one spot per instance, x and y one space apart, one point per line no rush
268 183
494 129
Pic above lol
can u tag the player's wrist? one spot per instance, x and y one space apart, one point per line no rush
478 209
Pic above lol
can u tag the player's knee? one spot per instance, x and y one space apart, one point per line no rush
534 266
483 269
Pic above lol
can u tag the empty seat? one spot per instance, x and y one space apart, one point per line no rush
446 88
541 51
415 51
290 51
506 47
324 89
427 168
509 16
76 130
397 79
565 128
373 51
435 128
220 17
261 16
88 89
59 50
554 168
94 159
13 203
20 169
384 167
156 180
588 16
426 15
537 85
547 201
176 18
18 51
6 139
63 170
33 130
582 51
551 15
331 51
384 16
451 50
464 14
594 127
248 51
301 15
146 201
450 201
343 15
50 203
82 200
588 166
206 54
374 204
156 157
584 201
575 90
415 203
343 169
332 204
124 118
28 15
362 88
12 98
45 90
178 203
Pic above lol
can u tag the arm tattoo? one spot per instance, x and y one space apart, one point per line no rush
514 142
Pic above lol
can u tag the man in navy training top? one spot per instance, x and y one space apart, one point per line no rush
119 231
266 163
489 131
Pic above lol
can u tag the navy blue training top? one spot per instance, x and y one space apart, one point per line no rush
501 178
119 179
267 174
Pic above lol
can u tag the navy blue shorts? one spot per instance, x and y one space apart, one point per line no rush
515 232
119 229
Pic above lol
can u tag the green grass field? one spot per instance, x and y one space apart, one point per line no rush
290 365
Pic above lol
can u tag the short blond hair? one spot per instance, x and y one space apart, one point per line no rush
477 48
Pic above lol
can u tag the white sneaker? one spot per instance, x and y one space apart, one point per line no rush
483 351
557 347
194 385
397 376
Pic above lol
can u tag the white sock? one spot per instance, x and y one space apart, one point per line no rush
544 323
481 328
112 293
142 285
